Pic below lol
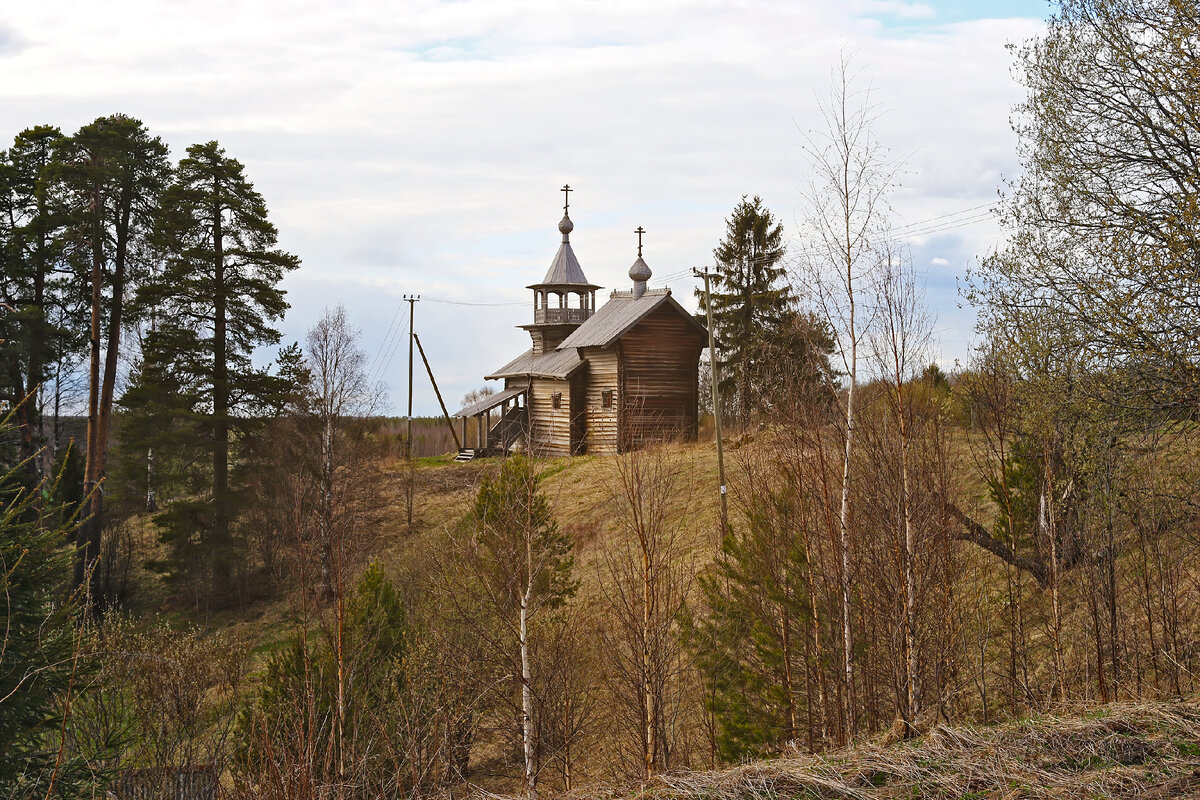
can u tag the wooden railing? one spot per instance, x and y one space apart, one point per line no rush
561 315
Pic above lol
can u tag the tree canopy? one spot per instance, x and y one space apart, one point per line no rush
211 304
1104 244
750 301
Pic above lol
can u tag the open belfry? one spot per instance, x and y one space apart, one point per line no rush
594 380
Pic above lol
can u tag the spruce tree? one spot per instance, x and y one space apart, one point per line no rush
40 662
749 640
750 301
213 302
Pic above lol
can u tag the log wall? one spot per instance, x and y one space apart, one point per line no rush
550 427
602 433
658 375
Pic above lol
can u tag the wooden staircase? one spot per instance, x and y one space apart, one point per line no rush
465 454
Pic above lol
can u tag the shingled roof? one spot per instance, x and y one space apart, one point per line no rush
558 363
564 269
623 311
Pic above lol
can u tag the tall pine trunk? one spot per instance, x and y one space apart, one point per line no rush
220 531
101 388
87 536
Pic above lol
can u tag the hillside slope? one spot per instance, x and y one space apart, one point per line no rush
1147 751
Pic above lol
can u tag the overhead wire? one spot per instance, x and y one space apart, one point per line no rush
386 336
396 340
465 303
923 222
924 227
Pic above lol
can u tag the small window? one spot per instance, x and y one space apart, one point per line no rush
606 398
556 398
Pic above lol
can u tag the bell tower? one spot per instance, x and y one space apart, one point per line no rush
564 299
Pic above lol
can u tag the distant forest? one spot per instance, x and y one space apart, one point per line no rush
225 580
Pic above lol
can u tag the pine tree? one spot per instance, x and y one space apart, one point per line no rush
749 301
36 282
213 304
114 172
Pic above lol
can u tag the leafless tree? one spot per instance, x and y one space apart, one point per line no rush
648 579
900 346
342 393
846 214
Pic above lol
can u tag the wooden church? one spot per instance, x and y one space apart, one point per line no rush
595 380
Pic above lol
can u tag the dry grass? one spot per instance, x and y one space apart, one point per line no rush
1116 751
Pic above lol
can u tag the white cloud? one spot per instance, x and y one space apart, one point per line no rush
418 147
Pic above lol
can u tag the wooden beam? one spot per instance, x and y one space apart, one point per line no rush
429 369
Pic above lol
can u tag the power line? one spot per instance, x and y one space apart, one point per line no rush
395 345
948 227
464 303
945 216
386 336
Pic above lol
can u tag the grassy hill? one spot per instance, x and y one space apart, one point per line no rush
1077 748
1146 751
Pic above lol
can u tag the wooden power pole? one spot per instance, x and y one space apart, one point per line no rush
411 299
438 392
716 400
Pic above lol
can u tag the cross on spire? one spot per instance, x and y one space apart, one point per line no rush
566 190
640 230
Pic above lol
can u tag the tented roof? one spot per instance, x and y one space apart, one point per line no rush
565 270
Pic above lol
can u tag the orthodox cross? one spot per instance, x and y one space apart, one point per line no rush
639 232
566 196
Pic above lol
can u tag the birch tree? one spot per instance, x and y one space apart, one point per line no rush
846 213
900 344
341 391
518 564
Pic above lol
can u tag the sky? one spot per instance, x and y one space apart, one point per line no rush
418 147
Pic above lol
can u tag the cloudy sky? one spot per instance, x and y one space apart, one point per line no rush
417 146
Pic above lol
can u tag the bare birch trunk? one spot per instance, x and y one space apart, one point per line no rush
527 698
910 588
1046 522
650 709
844 540
325 521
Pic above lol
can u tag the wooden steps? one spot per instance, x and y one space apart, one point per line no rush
464 455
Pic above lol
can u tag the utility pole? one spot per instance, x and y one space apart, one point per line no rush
716 399
411 299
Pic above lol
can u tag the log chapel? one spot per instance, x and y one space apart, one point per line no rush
595 380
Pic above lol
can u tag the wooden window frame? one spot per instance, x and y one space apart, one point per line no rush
606 398
556 400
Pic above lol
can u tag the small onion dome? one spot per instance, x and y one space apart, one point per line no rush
565 226
639 271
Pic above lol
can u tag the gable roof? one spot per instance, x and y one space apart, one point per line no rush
558 364
620 314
